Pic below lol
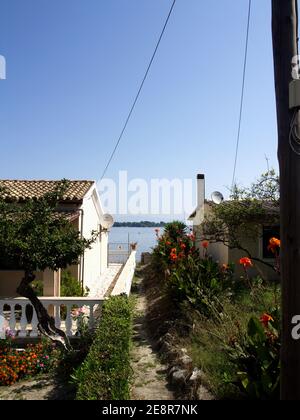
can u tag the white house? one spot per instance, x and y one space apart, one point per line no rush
257 246
81 204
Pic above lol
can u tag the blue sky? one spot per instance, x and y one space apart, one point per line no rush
73 69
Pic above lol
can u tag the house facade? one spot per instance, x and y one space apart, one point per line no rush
258 247
81 205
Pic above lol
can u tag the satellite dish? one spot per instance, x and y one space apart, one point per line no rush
217 197
107 221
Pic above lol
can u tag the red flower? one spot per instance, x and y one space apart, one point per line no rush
173 254
205 244
274 243
246 262
265 319
168 243
182 246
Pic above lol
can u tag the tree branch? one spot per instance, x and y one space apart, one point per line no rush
46 323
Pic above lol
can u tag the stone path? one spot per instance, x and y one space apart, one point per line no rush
149 379
45 388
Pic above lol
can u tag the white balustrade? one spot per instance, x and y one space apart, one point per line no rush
18 315
125 278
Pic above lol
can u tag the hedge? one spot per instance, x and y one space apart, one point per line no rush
105 373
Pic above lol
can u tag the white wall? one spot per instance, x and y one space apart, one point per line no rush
92 257
124 282
103 251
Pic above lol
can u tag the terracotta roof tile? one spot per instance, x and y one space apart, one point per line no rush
22 190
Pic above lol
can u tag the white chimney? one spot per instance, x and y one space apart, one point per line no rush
200 199
200 190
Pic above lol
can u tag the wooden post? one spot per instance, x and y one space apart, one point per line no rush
285 40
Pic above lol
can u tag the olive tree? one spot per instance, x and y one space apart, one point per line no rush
35 236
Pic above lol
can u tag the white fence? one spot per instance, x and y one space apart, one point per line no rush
123 284
19 318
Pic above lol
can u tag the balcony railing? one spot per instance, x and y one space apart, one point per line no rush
19 318
118 252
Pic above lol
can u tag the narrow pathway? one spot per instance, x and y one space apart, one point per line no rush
44 388
149 379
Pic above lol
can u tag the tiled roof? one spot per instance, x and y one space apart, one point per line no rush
22 190
270 207
69 215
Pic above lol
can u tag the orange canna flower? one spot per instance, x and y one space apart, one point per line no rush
265 319
274 243
246 262
205 244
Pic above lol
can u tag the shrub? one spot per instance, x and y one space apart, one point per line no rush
106 372
238 352
69 361
70 286
189 275
256 357
174 246
38 287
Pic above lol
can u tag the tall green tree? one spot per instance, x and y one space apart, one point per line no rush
35 236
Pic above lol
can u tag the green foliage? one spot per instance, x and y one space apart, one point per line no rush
189 277
106 372
69 361
174 245
201 282
215 344
70 286
235 221
35 236
175 230
256 356
38 287
230 344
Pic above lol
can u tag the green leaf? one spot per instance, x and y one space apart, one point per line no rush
255 329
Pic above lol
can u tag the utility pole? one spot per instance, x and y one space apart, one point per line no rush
285 48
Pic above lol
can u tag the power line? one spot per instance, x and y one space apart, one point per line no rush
242 97
140 89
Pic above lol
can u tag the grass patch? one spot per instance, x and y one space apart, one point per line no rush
208 339
106 372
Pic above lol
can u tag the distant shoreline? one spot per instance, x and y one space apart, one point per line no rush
143 224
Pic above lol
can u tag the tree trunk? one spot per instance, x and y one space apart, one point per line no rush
46 323
285 34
